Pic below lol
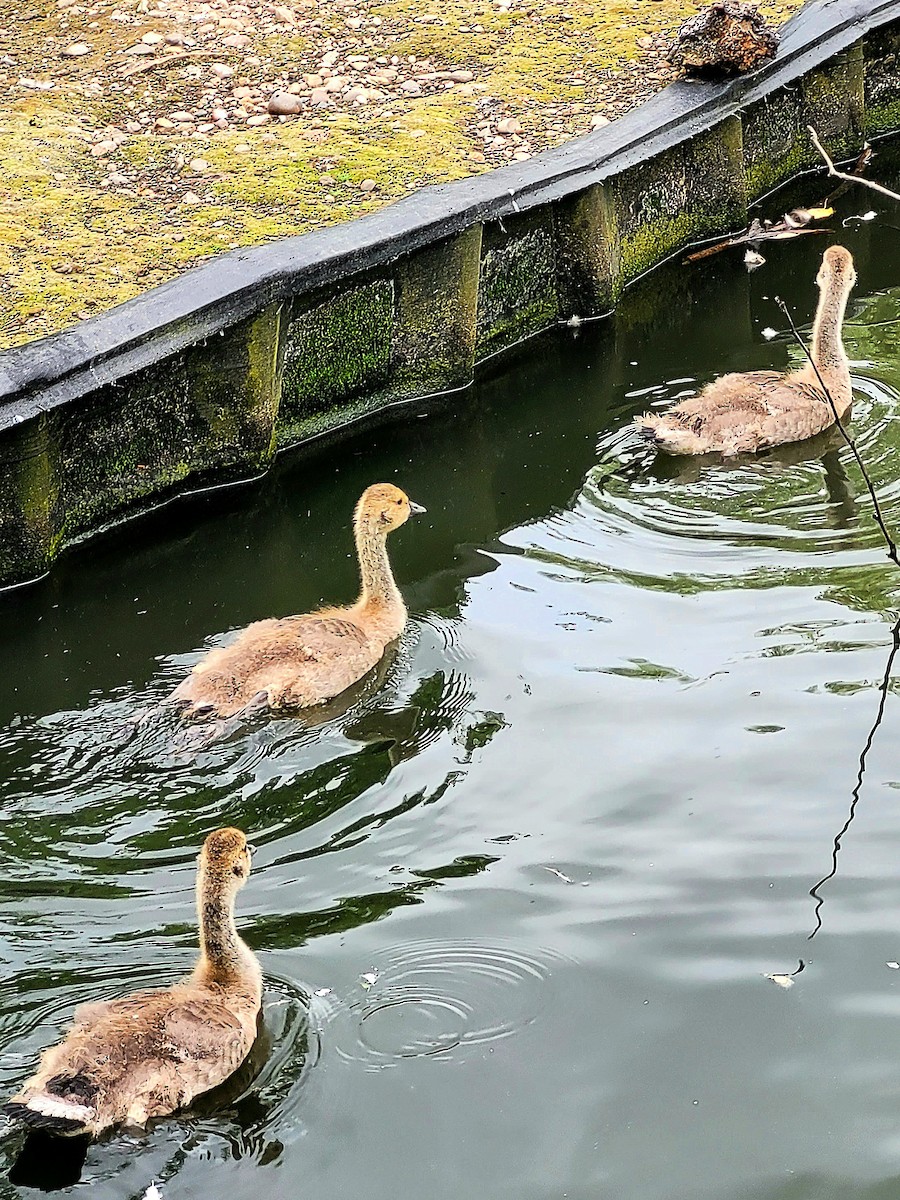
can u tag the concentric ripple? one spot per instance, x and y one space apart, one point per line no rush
444 998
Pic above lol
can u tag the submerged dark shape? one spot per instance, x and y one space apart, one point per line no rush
726 38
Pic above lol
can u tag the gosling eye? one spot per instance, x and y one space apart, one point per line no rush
238 870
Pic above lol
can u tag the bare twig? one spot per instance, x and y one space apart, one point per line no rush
162 62
832 169
879 518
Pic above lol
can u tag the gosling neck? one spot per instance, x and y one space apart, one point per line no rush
378 586
223 955
827 348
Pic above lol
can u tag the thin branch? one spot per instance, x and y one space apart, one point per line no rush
879 518
832 169
860 776
152 63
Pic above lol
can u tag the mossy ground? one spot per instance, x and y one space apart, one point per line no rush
79 233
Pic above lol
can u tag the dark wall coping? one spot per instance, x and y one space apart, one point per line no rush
208 299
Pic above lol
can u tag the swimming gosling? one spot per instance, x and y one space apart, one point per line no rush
299 662
126 1061
740 414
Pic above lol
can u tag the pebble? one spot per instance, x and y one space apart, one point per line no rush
100 149
152 38
319 95
461 76
182 118
242 148
236 41
368 185
218 114
411 88
283 104
190 198
76 50
509 125
139 49
284 15
599 121
199 165
222 70
259 119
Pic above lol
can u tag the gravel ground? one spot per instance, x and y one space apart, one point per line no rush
141 136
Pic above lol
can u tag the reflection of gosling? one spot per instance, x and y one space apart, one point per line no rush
745 413
297 662
126 1061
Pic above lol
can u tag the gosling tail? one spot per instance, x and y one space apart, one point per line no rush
61 1117
63 1106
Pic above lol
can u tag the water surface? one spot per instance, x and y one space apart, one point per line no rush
516 906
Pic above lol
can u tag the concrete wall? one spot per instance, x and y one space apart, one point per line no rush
202 380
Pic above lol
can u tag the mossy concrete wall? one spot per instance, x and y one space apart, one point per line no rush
202 380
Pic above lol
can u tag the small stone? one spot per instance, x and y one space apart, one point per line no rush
509 125
101 149
219 114
164 123
319 96
174 39
417 133
133 126
140 49
599 121
462 76
76 50
236 41
259 119
190 198
283 15
411 88
222 70
283 104
242 148
335 83
182 118
313 81
368 185
268 139
199 165
152 38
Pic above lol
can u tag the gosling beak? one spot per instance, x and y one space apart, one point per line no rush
416 508
251 849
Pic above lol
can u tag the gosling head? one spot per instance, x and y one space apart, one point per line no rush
385 507
226 857
837 267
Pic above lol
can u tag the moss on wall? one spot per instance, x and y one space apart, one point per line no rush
776 142
881 53
434 327
517 294
690 191
205 414
334 352
27 496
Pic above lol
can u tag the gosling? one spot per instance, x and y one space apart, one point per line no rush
299 662
126 1061
741 414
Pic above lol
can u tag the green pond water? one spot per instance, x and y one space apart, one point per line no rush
516 905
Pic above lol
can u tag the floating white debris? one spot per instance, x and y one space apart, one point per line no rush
895 966
153 1193
753 259
783 981
322 992
559 874
768 333
866 216
368 978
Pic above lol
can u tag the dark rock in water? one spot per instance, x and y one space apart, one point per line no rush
726 38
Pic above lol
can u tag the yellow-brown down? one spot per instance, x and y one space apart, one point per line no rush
125 1062
740 414
299 662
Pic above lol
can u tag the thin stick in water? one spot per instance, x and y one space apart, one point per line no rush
879 518
832 169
